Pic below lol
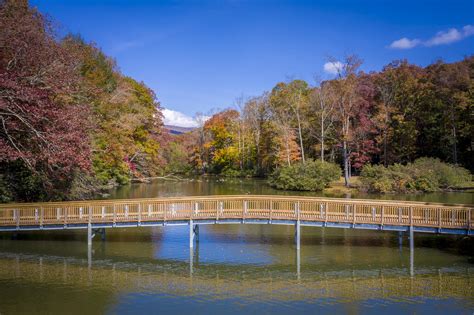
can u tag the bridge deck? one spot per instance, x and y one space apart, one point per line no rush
355 213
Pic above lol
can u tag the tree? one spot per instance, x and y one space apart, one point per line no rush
43 125
345 87
322 104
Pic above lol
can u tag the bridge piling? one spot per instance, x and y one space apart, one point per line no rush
412 251
89 234
298 235
193 233
400 240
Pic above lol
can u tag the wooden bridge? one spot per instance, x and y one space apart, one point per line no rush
256 209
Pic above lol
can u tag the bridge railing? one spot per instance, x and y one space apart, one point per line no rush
239 207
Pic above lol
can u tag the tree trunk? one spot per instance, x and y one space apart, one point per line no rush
300 136
346 164
322 138
385 148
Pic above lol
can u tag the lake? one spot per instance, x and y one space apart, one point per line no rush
235 268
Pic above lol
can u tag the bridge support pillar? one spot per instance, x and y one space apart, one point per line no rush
400 239
298 235
193 233
89 234
412 251
298 264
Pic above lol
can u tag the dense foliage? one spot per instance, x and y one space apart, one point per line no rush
397 115
310 176
423 175
69 120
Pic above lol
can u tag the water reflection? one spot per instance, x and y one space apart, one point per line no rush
237 186
233 269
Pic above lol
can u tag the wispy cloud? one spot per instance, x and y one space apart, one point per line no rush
441 38
175 118
333 67
405 43
122 46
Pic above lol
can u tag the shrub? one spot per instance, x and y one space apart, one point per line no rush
312 176
423 175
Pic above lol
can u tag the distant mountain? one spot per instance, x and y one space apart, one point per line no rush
176 130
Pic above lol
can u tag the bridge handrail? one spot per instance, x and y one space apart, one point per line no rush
241 207
239 197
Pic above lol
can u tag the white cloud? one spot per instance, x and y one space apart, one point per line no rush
468 30
445 37
441 38
333 67
175 118
404 43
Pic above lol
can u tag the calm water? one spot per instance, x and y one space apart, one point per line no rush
234 268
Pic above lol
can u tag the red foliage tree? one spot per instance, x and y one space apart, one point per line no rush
41 122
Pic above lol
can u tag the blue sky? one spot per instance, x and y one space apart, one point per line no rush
202 55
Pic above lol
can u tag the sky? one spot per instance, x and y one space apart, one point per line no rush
200 56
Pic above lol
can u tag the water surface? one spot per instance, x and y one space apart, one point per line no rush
234 268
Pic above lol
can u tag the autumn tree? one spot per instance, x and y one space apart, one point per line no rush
44 124
345 87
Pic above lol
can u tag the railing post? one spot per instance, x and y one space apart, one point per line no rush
326 213
17 215
244 209
354 207
411 216
382 215
149 210
271 210
220 210
196 208
139 214
439 219
114 220
469 220
165 210
90 214
41 217
65 216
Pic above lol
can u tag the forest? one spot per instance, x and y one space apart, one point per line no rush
395 116
72 123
